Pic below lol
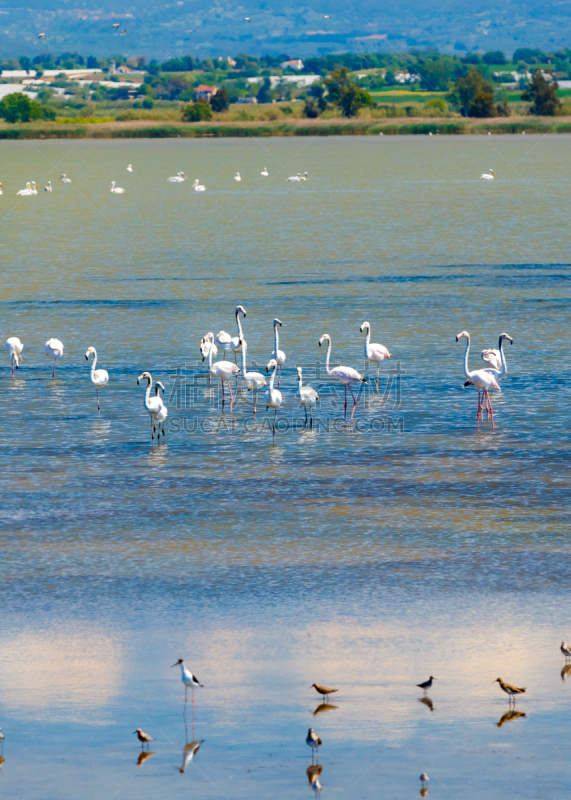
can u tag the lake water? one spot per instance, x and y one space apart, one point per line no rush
363 556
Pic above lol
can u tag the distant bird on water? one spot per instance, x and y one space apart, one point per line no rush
264 172
327 16
14 347
198 187
129 168
511 691
237 177
65 179
247 19
312 740
427 684
116 189
325 691
99 377
482 379
488 176
53 349
186 676
307 397
178 178
278 354
375 353
424 778
48 188
565 648
343 375
143 737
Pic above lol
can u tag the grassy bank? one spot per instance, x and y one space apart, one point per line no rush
147 129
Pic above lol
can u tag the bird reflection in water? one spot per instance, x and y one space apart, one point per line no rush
427 702
424 791
313 772
565 672
143 756
188 752
325 707
509 715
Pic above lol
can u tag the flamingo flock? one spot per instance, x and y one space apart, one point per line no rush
486 380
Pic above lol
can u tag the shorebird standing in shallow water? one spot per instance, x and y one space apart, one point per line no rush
325 691
511 691
313 741
566 650
427 684
424 778
186 677
143 737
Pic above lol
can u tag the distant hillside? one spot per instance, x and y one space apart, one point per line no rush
160 30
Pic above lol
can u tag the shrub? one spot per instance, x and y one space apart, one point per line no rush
197 112
220 101
310 110
437 105
18 107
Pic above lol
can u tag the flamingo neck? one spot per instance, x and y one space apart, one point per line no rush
244 347
148 392
504 370
238 323
93 363
299 377
210 351
272 379
327 357
276 340
467 372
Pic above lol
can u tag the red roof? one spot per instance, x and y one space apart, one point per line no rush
203 88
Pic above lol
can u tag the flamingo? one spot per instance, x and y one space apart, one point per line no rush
307 397
273 397
116 189
253 380
344 375
99 377
198 187
206 342
178 178
225 370
278 354
235 341
374 352
237 177
223 340
53 349
488 176
264 173
48 188
162 413
14 347
65 179
497 358
482 379
152 404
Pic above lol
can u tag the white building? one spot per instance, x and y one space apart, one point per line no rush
295 63
300 81
12 88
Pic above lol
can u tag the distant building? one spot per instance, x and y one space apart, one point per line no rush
204 92
247 100
406 77
295 63
301 81
125 70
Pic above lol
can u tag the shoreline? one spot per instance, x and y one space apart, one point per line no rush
392 126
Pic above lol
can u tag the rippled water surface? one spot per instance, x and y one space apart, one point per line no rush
364 555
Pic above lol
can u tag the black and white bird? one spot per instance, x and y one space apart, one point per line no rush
566 650
313 740
427 684
186 676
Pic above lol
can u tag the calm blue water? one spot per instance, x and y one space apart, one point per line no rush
365 556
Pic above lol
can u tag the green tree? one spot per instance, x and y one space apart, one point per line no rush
310 110
494 57
543 95
197 112
25 62
220 101
265 93
345 94
18 107
472 95
436 75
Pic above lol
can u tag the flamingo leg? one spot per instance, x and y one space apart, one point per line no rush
54 371
12 369
311 415
378 366
274 429
223 398
354 401
231 397
345 414
491 410
97 395
279 377
479 409
305 409
255 400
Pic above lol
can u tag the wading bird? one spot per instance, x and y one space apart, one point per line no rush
482 379
496 359
427 684
186 677
152 404
273 397
264 173
424 778
116 189
99 377
252 380
143 737
225 370
565 648
224 341
14 347
511 691
308 397
324 691
235 341
312 740
375 353
488 176
278 354
53 349
198 187
344 375
294 178
162 413
178 178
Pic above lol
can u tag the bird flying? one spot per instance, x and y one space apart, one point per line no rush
42 36
115 25
123 32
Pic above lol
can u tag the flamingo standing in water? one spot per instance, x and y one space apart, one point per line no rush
206 342
496 359
273 397
14 347
53 349
235 341
225 370
482 379
278 354
152 404
374 352
344 375
252 380
162 413
99 377
307 397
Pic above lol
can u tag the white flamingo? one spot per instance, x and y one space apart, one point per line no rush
206 342
129 168
178 178
53 349
278 354
252 380
224 341
99 377
198 187
481 379
65 179
344 375
237 177
496 359
307 397
273 397
116 189
235 341
488 176
374 352
48 188
152 404
162 413
225 370
14 347
264 173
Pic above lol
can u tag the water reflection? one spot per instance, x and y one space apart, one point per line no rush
565 671
143 756
324 707
188 752
313 772
2 760
424 791
509 715
427 702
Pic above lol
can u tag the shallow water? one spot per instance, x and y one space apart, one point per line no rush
365 556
